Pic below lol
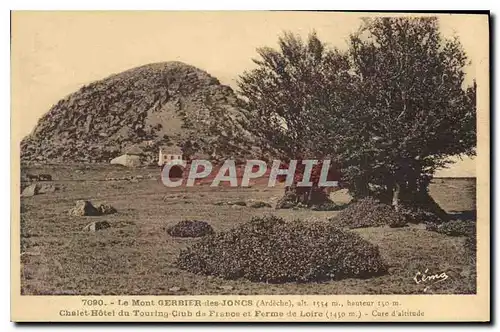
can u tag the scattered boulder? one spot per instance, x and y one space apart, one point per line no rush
97 226
127 160
225 287
259 204
190 228
36 177
84 208
31 190
37 188
31 177
270 249
47 188
106 209
177 289
44 177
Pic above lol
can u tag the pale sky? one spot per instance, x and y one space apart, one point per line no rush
55 53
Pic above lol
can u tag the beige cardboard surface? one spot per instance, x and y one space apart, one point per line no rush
53 53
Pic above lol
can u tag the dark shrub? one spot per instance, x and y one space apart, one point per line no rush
398 222
190 228
269 249
259 204
327 206
368 212
416 215
455 228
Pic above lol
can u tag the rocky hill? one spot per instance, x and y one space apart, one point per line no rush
159 104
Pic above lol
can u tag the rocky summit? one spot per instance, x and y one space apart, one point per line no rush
147 107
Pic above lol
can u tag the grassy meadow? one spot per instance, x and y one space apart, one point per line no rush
136 256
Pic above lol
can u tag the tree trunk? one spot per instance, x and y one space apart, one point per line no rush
307 196
425 201
310 196
396 196
417 194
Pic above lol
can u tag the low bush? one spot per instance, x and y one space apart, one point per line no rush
416 215
260 204
190 228
269 249
368 212
455 228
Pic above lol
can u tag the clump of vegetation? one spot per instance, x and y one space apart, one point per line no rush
190 228
416 214
369 212
327 206
470 246
455 228
313 197
260 204
239 203
269 249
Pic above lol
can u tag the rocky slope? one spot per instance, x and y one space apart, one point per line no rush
146 107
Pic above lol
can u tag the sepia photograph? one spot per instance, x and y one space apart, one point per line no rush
161 157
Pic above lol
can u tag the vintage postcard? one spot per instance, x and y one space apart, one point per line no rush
250 166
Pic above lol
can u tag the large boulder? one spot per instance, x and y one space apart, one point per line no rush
37 188
84 208
31 190
127 160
